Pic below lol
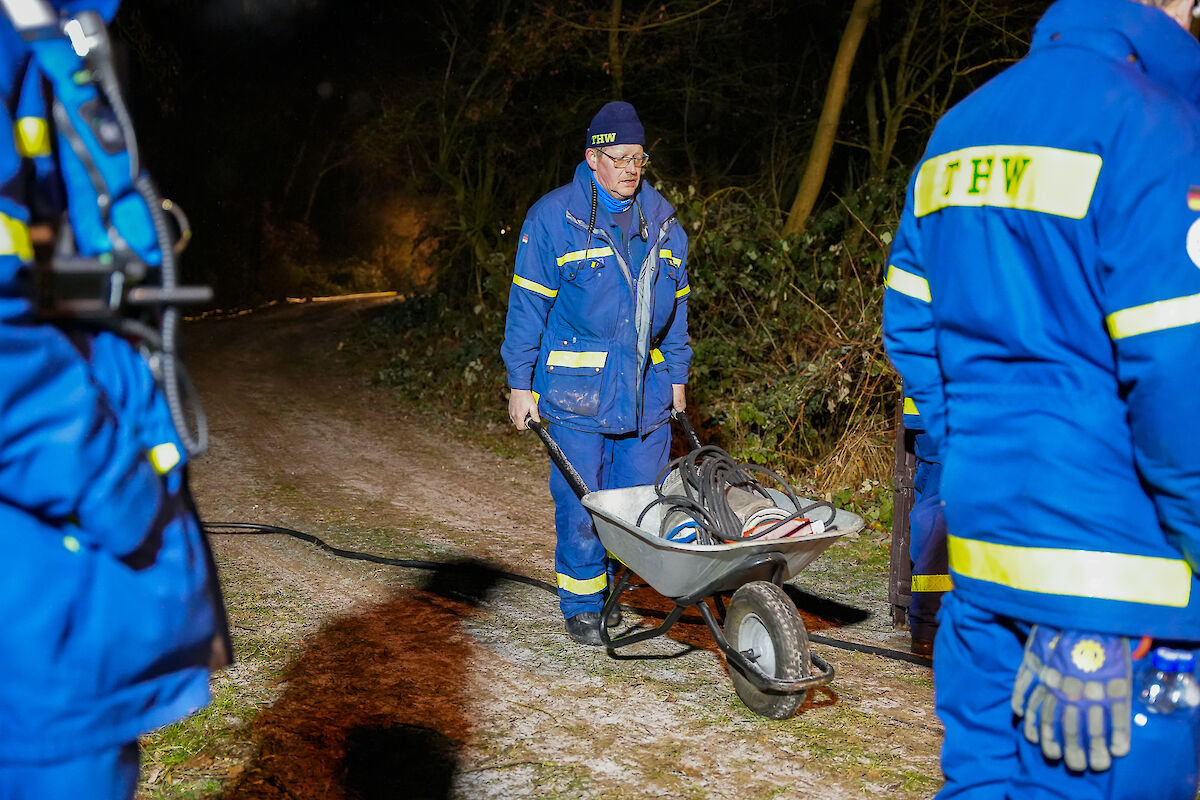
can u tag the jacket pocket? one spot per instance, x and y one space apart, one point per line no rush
586 270
574 379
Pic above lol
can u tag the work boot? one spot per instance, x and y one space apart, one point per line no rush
585 628
922 638
922 646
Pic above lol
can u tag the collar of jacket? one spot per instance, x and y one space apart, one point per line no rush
654 206
1129 31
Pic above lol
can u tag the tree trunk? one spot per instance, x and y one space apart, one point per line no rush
615 58
831 112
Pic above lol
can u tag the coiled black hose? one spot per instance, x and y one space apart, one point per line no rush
707 473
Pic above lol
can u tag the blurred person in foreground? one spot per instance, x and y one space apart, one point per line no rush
596 341
112 615
1043 309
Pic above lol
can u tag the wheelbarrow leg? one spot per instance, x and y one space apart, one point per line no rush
612 603
720 604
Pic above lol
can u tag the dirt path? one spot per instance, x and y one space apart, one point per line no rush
398 682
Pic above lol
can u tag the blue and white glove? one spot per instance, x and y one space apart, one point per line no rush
1075 690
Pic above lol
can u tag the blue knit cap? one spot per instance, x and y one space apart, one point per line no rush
616 123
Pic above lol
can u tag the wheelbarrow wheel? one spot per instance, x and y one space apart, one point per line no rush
763 624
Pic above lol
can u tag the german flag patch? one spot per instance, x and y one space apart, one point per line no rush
1193 198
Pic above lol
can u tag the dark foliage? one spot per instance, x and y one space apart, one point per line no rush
325 146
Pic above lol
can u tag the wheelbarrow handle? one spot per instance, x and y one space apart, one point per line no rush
559 458
688 431
568 469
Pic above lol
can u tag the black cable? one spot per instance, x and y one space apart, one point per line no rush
438 566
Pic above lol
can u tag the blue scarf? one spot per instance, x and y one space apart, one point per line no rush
613 205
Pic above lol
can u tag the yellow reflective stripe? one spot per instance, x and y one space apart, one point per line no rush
537 398
1042 179
570 358
597 584
667 255
1078 573
907 283
525 283
932 583
164 457
1160 316
910 407
656 356
14 238
33 137
580 255
683 292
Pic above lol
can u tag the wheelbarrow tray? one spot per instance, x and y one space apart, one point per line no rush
680 569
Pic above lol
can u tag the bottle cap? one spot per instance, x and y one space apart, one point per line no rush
1169 659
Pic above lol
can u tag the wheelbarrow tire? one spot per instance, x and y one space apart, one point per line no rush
762 618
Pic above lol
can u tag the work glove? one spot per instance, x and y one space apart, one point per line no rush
1075 690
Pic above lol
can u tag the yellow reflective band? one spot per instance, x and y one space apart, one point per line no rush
1160 316
597 584
164 457
907 283
537 398
1042 179
570 358
656 356
525 283
1077 573
14 238
910 407
33 137
932 583
683 292
580 255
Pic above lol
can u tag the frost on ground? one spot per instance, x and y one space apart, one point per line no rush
360 680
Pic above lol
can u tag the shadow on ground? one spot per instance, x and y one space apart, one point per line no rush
373 708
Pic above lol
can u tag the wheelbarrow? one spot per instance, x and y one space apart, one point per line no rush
760 632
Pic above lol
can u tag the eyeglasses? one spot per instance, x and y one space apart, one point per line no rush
624 161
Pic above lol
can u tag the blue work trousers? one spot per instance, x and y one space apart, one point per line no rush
110 774
927 543
985 755
604 462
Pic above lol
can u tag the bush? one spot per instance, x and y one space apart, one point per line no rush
790 370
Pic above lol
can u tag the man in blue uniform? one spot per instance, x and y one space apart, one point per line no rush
1043 308
112 617
596 340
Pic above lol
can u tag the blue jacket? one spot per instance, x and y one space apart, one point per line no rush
599 343
1043 308
110 606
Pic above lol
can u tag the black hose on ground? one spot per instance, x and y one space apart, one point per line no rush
244 528
436 566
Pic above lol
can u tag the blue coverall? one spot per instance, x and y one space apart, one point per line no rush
1043 308
112 615
597 328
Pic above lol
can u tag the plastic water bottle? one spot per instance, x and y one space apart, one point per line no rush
1168 684
1166 728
